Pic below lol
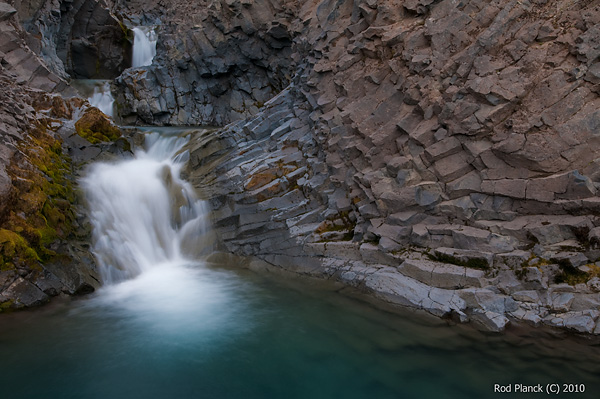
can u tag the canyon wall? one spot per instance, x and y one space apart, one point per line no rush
77 39
420 137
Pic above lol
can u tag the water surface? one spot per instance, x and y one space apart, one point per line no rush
192 331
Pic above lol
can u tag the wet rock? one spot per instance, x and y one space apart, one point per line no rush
403 290
490 321
579 321
24 294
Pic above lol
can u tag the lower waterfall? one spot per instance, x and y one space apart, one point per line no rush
143 214
166 324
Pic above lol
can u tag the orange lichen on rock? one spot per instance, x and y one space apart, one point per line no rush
266 176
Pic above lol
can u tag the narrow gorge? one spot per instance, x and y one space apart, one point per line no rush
269 198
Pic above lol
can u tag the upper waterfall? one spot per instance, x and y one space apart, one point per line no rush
142 212
144 46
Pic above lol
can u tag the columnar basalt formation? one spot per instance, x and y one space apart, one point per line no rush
216 62
438 155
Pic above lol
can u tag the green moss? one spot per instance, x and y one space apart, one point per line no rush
14 248
40 210
96 137
569 274
6 306
96 127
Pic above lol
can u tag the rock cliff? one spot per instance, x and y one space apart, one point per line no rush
45 139
438 154
77 39
216 62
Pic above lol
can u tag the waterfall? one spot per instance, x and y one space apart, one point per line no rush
144 46
143 214
102 98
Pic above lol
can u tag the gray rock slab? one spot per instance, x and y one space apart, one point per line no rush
396 288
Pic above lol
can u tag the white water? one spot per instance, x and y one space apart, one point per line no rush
144 46
143 214
102 98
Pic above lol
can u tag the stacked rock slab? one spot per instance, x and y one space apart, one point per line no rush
440 156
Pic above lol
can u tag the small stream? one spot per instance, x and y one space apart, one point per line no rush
97 92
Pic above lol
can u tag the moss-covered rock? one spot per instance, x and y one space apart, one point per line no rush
39 211
95 127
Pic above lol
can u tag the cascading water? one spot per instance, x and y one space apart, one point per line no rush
144 46
102 98
143 214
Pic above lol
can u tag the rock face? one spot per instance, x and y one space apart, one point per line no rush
43 237
216 62
426 132
80 39
44 232
16 56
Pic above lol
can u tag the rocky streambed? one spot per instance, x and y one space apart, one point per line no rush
434 155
